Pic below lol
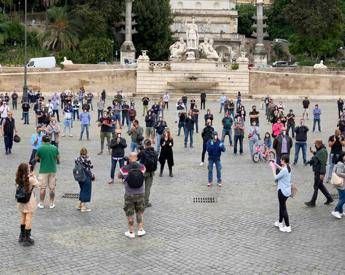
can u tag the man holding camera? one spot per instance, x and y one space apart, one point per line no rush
117 145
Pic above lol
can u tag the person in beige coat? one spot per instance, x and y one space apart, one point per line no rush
26 178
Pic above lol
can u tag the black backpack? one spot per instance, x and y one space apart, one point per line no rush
21 195
79 172
150 160
135 178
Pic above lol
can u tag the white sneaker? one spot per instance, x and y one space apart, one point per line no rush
130 235
40 205
286 229
141 233
52 206
278 224
336 214
201 164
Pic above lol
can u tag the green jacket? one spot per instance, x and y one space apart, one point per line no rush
319 161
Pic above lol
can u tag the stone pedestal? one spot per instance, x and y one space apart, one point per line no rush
260 56
127 53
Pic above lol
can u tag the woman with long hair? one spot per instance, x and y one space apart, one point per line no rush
86 185
166 154
26 179
283 179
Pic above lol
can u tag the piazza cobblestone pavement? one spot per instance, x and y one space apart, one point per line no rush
234 235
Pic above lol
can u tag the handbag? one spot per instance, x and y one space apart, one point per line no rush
294 190
337 181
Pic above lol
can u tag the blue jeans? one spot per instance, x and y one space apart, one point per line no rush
341 201
179 129
188 132
238 138
158 142
134 146
316 120
67 126
83 128
113 166
218 169
300 145
221 107
26 117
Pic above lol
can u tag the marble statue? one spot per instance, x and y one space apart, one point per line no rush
192 35
211 53
203 47
66 61
190 55
178 49
320 65
143 56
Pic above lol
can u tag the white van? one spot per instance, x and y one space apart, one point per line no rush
42 62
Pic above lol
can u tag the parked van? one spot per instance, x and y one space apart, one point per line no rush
42 62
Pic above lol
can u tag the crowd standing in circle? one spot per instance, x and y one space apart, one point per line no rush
153 144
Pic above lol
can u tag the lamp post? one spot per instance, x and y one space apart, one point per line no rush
25 87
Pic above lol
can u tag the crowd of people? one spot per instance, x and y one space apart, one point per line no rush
151 144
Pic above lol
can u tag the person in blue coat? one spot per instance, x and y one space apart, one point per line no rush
214 149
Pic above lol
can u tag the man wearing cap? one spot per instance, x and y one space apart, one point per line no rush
214 149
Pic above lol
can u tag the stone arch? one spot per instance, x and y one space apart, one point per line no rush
224 52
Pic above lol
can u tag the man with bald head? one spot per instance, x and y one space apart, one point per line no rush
133 176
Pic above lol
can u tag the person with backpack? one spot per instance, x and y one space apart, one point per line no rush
283 180
26 181
117 146
214 149
133 175
83 174
227 125
319 163
149 158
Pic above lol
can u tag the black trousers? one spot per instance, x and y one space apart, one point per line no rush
318 184
202 105
283 214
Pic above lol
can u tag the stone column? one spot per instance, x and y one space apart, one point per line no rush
127 48
260 56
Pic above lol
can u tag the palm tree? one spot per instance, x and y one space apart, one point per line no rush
60 33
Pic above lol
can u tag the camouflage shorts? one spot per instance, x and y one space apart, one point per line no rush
134 204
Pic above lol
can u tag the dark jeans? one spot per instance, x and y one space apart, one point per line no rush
318 184
300 145
341 201
292 127
14 104
196 122
318 124
202 105
32 160
8 140
75 114
283 214
203 151
26 117
56 113
113 166
125 117
238 138
99 114
218 165
85 190
188 132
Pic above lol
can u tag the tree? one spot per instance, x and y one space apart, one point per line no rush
277 20
154 19
59 33
318 27
245 20
95 49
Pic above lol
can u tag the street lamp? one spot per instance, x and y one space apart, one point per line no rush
25 87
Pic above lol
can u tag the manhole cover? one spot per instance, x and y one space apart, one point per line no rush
204 200
70 196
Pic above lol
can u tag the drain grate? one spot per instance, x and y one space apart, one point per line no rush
204 200
70 196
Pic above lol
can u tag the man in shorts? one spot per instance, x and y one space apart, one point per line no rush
133 175
48 156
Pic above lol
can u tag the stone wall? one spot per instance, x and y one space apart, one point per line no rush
95 80
299 83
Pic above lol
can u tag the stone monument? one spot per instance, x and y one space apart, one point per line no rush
260 55
127 51
320 65
178 50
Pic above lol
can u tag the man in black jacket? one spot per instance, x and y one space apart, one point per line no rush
188 131
301 141
117 146
207 134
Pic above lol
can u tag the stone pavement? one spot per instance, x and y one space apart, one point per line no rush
235 235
